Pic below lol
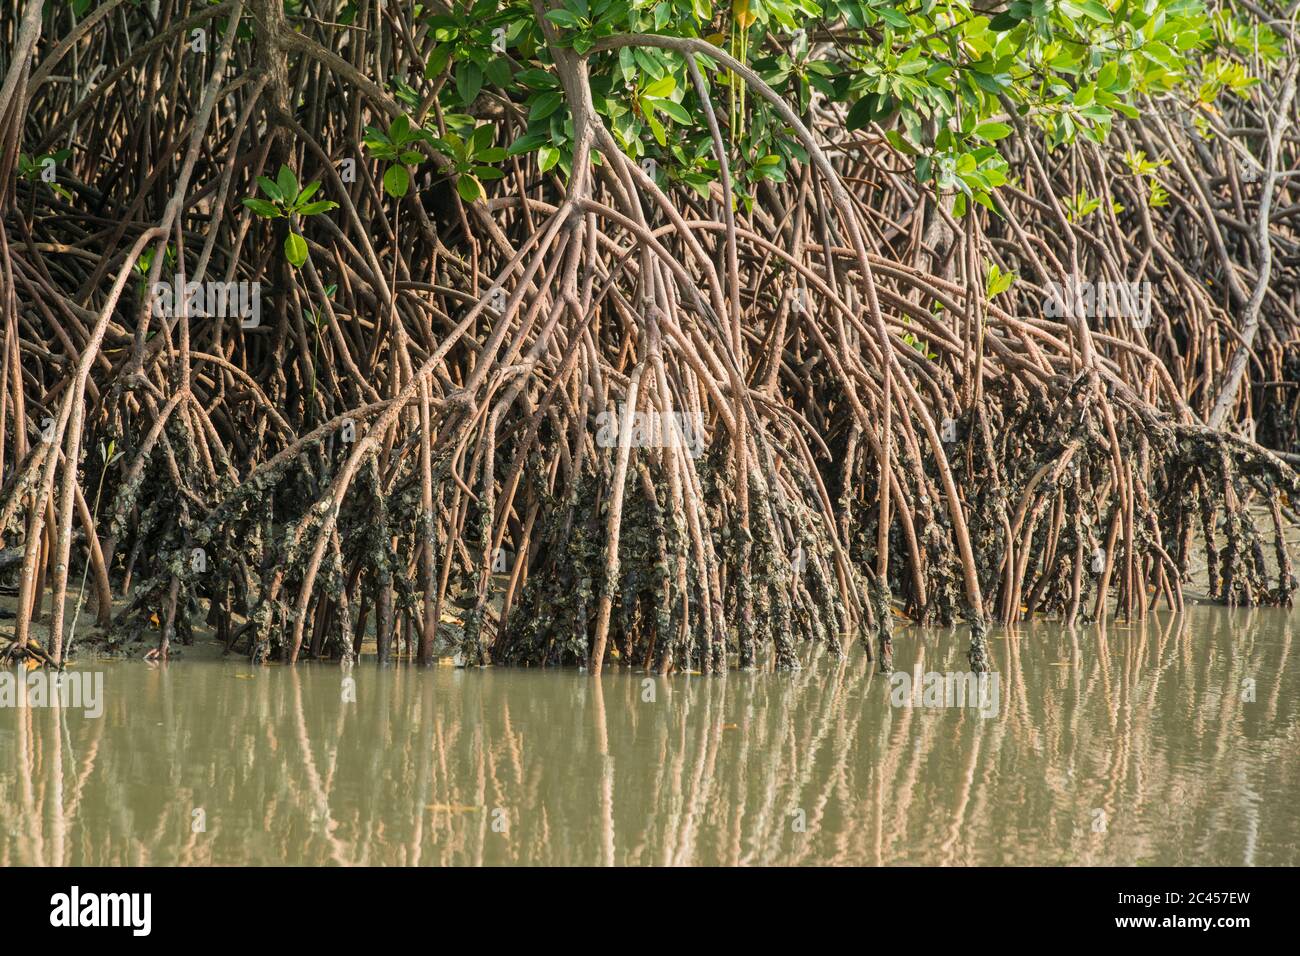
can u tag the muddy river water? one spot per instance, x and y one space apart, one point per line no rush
1171 741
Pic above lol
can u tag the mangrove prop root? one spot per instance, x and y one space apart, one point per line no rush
606 419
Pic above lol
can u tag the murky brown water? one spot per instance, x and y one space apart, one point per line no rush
1130 747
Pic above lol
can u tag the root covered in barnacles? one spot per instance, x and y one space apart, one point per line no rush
614 415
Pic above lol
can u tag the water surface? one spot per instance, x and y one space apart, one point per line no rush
1136 745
